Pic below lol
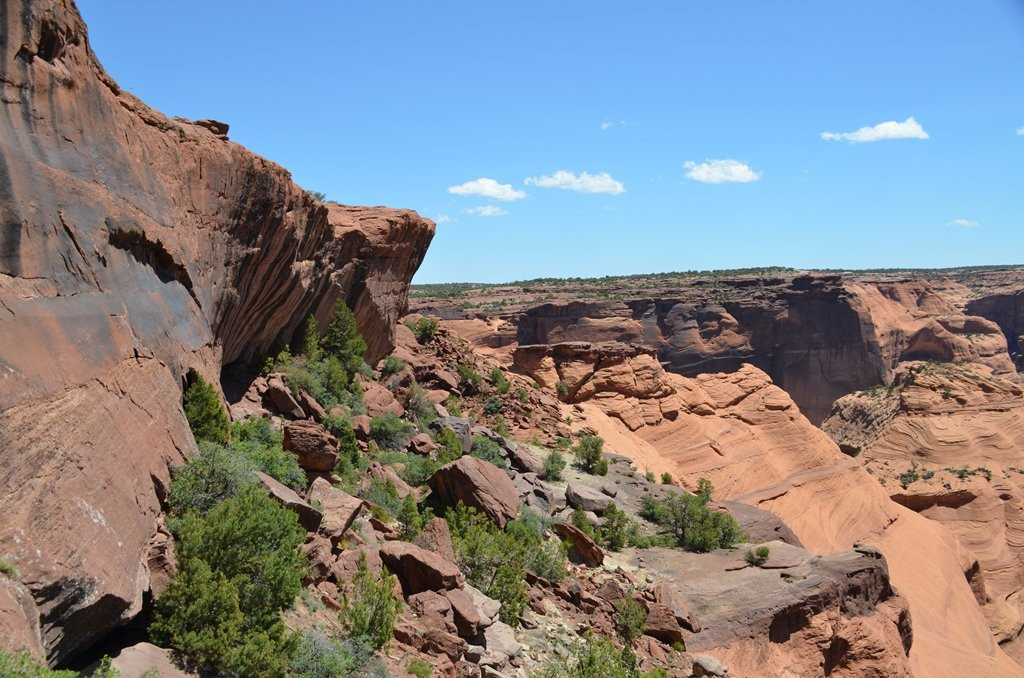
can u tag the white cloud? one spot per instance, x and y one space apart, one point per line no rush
443 219
486 211
488 188
1020 131
908 129
607 124
726 171
584 182
964 223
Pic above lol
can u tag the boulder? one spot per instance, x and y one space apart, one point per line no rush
468 619
316 449
710 667
436 537
380 400
281 398
586 498
524 458
136 660
583 548
500 644
421 443
479 484
311 407
319 554
309 516
661 624
434 609
339 508
387 474
675 602
346 565
488 607
361 426
460 426
418 569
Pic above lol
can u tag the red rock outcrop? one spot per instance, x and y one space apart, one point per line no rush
135 249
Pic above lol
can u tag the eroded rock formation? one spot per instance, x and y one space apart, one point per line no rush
134 249
946 441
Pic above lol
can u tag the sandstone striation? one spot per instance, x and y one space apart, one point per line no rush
136 249
946 441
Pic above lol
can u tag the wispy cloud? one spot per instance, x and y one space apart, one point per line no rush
908 129
486 211
1020 131
443 219
964 223
607 124
488 188
584 182
726 171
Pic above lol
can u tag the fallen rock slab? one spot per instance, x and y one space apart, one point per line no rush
309 516
586 498
478 484
339 508
418 569
315 447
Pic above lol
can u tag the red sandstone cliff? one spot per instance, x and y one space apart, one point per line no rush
135 248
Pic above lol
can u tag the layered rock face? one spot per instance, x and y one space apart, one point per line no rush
748 437
946 440
135 249
818 337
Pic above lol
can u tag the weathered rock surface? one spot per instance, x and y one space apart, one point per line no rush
479 484
946 440
136 248
309 515
418 569
339 508
316 449
583 549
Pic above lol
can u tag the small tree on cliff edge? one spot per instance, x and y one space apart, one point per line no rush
206 416
343 339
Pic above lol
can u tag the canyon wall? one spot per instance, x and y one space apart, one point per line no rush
134 250
819 337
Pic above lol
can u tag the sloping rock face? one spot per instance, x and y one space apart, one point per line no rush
747 436
136 248
946 439
819 337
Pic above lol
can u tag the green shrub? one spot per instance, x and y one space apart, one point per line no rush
370 609
417 469
666 478
554 464
215 475
649 476
522 396
629 619
424 329
588 454
309 346
419 668
418 403
258 443
499 381
452 404
320 656
616 528
495 560
449 446
493 405
392 365
597 657
390 432
562 443
253 542
469 379
691 523
501 426
383 494
411 518
343 339
757 556
204 412
7 569
488 450
562 390
22 665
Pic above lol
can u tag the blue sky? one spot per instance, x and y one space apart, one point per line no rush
396 103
